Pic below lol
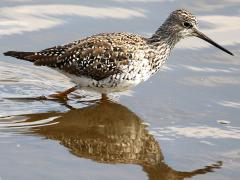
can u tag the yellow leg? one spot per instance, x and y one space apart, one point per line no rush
63 95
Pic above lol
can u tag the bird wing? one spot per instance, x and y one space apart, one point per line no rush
49 56
97 57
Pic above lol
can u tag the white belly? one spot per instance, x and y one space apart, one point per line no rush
117 82
104 86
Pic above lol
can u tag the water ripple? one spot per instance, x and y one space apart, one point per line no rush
200 132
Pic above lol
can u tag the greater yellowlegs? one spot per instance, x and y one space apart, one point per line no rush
114 62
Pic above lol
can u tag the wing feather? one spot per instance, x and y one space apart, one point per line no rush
97 58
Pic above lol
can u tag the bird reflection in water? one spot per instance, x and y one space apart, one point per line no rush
107 132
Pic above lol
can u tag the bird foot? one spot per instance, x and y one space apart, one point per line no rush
60 96
63 95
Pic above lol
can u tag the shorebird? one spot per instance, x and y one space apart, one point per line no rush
114 62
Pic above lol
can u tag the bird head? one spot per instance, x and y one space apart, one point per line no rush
183 23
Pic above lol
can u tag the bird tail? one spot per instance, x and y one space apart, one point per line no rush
20 55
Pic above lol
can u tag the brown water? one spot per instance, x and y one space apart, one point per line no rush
182 123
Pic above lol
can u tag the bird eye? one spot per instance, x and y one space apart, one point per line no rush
187 25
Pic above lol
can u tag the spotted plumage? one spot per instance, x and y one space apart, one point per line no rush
110 62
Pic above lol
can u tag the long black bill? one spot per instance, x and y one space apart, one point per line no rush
204 37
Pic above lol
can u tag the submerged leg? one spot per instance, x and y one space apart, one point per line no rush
63 95
104 97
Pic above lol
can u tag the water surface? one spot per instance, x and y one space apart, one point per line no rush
182 123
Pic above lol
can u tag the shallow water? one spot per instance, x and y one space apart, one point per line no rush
182 123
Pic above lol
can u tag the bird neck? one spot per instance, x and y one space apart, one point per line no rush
165 35
162 41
